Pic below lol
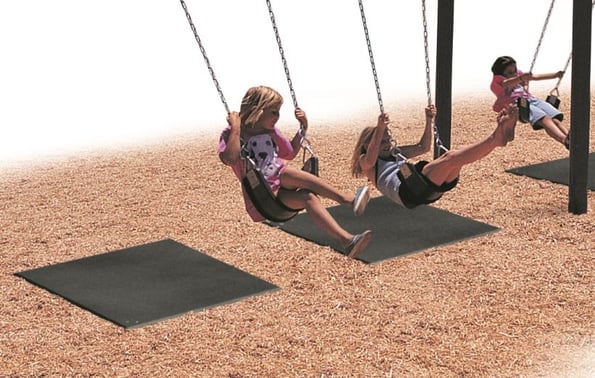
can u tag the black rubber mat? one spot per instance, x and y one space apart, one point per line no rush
397 231
144 284
557 171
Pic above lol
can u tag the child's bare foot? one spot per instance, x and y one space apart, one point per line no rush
507 119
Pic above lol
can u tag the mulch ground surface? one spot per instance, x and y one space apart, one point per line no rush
518 302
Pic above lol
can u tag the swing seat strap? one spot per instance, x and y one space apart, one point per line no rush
524 109
553 100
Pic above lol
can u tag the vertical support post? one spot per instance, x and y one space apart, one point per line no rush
580 106
443 88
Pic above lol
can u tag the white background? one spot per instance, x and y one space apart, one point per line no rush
79 74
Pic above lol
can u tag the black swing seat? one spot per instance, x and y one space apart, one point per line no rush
416 189
264 199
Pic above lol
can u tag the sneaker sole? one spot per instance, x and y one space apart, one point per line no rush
360 206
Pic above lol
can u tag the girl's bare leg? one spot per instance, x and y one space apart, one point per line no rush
292 179
300 190
319 214
554 129
564 131
447 167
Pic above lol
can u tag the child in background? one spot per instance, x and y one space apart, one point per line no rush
509 85
378 157
253 130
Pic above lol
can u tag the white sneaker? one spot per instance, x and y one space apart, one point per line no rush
362 197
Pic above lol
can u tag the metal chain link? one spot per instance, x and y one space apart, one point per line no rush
437 139
427 55
204 54
282 53
304 142
547 20
555 89
369 43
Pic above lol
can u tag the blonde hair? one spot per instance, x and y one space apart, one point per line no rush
255 101
360 149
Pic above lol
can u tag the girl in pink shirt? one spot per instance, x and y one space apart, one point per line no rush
252 131
509 84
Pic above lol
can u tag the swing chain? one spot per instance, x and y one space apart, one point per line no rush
304 142
427 55
437 139
547 20
282 53
369 43
555 89
245 154
395 151
204 55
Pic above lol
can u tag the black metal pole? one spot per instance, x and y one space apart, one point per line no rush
580 106
444 72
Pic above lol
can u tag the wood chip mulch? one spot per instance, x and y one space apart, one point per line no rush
518 302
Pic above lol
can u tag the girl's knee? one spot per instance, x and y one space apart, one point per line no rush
545 121
309 197
312 202
304 196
